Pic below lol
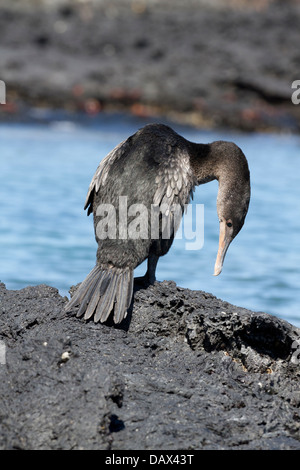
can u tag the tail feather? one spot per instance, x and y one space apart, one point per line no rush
86 293
121 297
103 291
92 299
124 296
105 306
99 291
81 291
129 290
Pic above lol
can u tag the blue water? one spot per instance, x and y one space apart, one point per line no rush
46 237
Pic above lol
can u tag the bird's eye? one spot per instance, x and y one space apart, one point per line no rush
229 224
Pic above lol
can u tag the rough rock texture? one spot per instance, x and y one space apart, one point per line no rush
185 370
210 63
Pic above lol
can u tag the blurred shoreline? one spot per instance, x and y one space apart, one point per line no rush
209 64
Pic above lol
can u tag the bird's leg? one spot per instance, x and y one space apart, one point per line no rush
151 268
149 277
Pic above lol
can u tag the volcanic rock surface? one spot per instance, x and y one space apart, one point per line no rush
184 370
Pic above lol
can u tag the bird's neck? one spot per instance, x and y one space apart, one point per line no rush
216 161
206 163
225 162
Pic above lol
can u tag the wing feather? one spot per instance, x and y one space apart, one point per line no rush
175 179
101 174
175 183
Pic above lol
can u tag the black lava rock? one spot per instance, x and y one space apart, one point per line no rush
185 370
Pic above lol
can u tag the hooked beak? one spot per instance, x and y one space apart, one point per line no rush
225 239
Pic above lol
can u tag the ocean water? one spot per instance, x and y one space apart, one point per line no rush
46 237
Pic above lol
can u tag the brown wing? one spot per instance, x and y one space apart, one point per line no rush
175 179
101 174
175 184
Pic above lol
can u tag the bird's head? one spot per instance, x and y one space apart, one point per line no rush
233 198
